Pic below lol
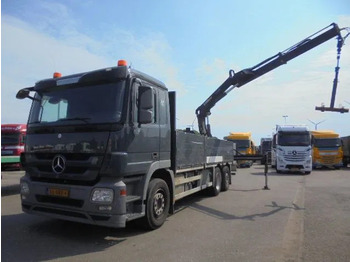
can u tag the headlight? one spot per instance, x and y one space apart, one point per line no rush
24 188
102 195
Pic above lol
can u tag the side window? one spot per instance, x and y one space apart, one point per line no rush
163 107
136 101
155 111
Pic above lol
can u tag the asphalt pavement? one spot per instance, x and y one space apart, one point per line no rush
10 182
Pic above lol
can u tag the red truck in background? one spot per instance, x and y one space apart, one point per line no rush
12 144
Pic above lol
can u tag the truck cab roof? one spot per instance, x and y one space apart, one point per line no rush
105 75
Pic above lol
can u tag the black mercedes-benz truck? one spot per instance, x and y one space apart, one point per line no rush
102 148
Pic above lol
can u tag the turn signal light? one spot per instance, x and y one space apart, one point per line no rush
122 63
57 75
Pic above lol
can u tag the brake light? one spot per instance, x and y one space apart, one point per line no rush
122 63
57 75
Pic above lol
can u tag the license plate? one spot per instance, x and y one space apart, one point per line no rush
58 192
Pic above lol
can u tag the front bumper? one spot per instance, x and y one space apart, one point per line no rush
305 166
77 206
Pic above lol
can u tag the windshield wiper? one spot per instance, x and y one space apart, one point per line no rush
84 119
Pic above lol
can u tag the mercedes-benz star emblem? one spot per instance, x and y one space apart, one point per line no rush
294 153
58 164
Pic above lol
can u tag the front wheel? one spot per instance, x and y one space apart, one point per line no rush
158 203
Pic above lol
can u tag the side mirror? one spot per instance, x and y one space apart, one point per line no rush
23 93
146 104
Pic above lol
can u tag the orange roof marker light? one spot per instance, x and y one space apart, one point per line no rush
57 75
122 63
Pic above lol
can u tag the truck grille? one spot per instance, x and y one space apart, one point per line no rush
60 201
294 156
79 169
328 160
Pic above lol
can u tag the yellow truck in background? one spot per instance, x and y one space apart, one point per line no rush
346 150
244 146
326 149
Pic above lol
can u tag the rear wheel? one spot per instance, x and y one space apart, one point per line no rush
158 203
217 180
225 184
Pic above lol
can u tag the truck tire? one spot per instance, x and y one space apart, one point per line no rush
225 184
217 180
157 204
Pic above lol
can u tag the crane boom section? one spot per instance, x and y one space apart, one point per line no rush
246 75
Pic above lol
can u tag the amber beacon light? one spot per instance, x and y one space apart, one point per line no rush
122 63
57 75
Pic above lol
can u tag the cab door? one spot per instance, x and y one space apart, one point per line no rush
143 147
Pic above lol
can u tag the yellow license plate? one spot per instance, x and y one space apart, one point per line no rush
58 192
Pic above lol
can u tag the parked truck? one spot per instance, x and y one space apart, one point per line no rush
12 144
265 150
346 150
244 146
292 150
326 149
102 146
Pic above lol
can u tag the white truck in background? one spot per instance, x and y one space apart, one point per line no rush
292 149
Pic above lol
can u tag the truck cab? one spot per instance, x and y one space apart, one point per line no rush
326 149
91 138
244 146
13 138
293 149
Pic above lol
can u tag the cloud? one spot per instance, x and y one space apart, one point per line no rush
34 50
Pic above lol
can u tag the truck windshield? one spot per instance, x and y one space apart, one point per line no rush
10 139
294 139
328 142
240 143
86 104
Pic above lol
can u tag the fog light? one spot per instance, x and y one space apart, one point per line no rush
24 188
102 195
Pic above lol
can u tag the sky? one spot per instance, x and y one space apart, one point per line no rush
190 46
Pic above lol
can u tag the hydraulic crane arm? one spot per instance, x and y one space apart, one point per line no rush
246 75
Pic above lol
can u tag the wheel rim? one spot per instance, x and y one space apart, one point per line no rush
159 203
